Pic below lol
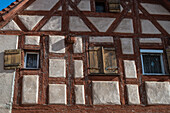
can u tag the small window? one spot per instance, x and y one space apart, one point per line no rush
152 62
31 60
111 6
102 60
100 6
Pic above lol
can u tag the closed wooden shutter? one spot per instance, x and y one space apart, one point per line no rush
114 5
95 59
12 59
110 61
168 56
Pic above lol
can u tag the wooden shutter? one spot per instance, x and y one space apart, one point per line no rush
12 59
109 60
114 5
168 56
95 59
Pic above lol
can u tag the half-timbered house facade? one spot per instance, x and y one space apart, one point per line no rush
73 56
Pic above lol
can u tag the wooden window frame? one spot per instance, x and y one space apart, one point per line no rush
25 59
150 51
102 70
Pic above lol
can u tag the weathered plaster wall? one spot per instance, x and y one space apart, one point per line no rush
42 5
30 21
11 26
6 76
155 9
66 81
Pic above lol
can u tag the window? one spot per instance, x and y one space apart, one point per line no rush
107 6
102 60
152 62
31 60
100 6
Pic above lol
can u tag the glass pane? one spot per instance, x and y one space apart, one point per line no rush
152 63
31 61
100 6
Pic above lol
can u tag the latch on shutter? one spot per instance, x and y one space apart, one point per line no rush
12 59
114 5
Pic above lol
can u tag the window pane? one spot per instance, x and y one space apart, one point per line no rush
31 61
100 6
152 63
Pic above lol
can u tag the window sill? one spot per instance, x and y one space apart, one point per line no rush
30 68
155 74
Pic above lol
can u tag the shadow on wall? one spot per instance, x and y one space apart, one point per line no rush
58 45
2 64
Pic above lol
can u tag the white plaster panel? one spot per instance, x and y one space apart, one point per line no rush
54 24
133 94
57 44
130 68
42 5
11 26
4 110
6 82
30 86
157 92
6 76
125 26
105 92
60 8
78 68
155 9
127 45
78 45
121 8
165 25
150 40
57 68
101 39
148 27
57 94
77 24
30 21
84 5
101 23
79 94
32 40
140 12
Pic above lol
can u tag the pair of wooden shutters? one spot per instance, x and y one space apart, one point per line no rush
12 59
114 5
102 60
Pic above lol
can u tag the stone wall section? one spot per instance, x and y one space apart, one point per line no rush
79 94
32 40
130 69
157 92
105 92
57 68
133 94
30 89
57 94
